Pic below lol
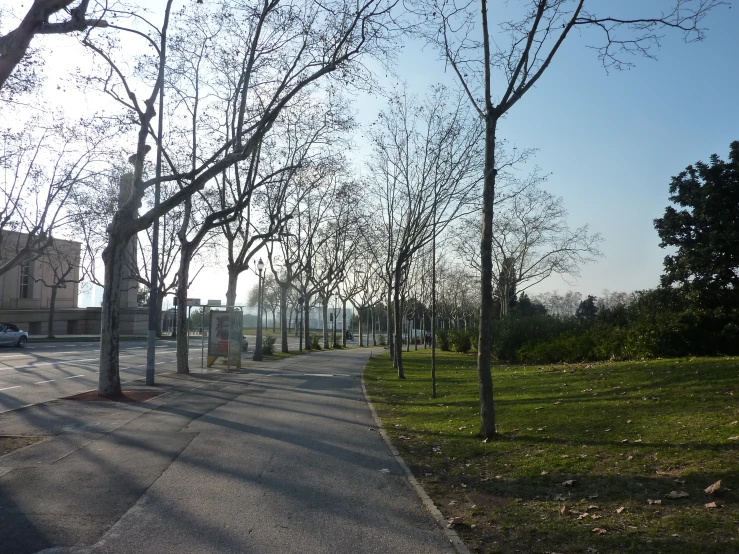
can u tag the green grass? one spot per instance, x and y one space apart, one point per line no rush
625 433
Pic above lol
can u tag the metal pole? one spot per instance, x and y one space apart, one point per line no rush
258 346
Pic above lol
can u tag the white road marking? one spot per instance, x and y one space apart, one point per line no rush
74 376
15 387
42 382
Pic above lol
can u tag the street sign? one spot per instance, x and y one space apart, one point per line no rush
193 301
214 302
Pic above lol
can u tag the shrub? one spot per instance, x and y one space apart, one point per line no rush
460 340
268 344
382 340
442 340
315 341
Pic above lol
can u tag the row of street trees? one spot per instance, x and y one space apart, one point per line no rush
231 115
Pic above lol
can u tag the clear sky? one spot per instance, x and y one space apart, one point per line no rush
610 141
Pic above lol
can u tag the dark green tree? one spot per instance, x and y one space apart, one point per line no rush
587 310
704 228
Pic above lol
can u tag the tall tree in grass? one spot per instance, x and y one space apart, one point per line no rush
498 55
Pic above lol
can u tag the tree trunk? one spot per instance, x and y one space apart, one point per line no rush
389 319
274 325
374 325
306 322
183 340
52 305
109 381
283 316
233 280
297 322
484 374
324 305
343 323
160 302
398 320
361 339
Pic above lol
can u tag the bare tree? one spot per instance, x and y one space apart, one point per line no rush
44 17
40 167
425 169
531 242
62 261
277 51
517 57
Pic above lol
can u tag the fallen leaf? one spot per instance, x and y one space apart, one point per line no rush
558 402
734 422
677 494
650 501
453 503
565 456
734 438
583 515
499 477
712 505
619 510
436 449
455 522
599 531
545 473
593 507
595 516
628 421
463 428
637 440
564 510
629 458
624 440
568 483
713 488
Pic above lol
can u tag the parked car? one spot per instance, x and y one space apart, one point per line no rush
10 335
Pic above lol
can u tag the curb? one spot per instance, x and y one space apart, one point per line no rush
451 535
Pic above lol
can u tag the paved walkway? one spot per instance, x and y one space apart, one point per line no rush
282 457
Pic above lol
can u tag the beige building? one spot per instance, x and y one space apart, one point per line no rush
26 290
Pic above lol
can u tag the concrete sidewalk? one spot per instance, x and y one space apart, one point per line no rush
282 457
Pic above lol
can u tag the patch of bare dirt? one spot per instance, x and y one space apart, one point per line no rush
10 443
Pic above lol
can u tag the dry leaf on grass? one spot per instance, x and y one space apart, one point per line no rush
734 438
595 516
568 483
734 422
713 488
564 510
599 531
455 522
583 515
619 510
677 494
545 473
629 458
593 507
650 501
711 505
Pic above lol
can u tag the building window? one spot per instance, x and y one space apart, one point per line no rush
25 280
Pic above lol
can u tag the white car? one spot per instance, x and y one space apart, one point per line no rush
10 335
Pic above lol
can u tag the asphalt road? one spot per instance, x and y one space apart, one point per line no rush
46 371
41 372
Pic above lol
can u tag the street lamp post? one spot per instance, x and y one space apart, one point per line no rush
300 311
258 346
336 299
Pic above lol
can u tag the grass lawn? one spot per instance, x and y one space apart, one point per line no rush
587 454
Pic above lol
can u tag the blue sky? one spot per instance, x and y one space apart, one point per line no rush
612 141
